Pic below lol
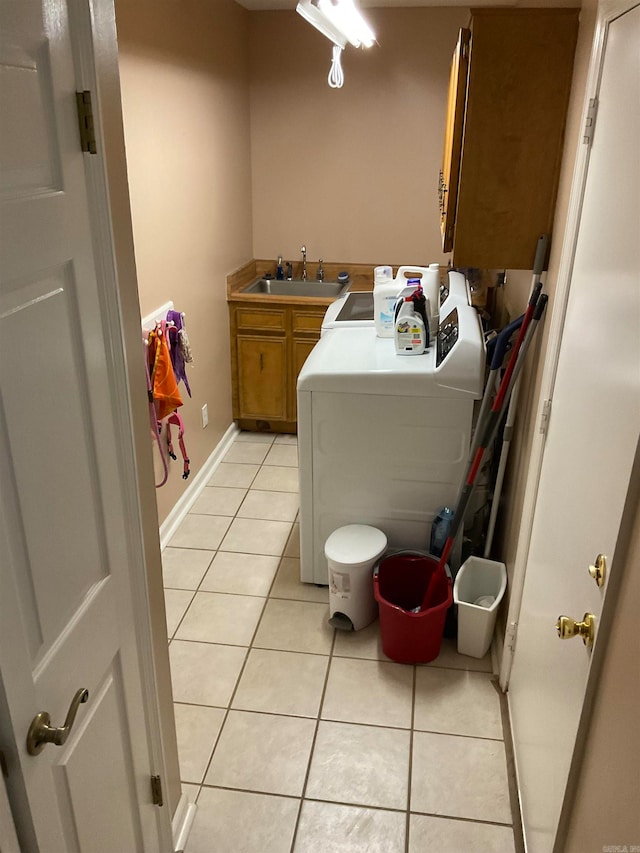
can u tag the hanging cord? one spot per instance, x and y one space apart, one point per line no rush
336 75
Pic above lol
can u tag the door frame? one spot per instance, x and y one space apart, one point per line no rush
95 54
608 11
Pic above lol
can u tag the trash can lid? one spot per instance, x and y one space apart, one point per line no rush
355 543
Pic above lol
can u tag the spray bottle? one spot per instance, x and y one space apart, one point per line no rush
411 320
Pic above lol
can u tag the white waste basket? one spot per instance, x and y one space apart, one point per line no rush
352 552
477 591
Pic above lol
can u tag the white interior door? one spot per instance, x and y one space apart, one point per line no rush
67 617
589 450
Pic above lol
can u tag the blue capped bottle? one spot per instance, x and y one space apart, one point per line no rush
440 530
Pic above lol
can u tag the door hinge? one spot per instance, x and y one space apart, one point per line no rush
590 121
544 417
510 636
85 122
156 791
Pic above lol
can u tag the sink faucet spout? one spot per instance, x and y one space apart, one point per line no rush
303 249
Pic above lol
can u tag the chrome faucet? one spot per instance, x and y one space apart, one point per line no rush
303 249
320 272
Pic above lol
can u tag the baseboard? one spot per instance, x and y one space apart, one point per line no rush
184 504
181 823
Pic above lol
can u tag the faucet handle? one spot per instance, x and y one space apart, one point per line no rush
320 272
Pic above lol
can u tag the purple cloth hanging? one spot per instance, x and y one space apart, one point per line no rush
177 356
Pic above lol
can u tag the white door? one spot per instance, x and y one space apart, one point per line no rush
590 446
67 618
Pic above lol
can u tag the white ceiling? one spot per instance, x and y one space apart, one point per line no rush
260 5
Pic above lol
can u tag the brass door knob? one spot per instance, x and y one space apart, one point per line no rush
599 569
568 628
41 732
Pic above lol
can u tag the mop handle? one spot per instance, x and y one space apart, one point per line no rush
537 314
541 255
528 316
491 426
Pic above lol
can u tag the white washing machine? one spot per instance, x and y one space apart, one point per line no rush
355 308
383 439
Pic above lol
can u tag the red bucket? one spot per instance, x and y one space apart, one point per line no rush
399 585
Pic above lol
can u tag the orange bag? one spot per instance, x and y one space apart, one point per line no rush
166 396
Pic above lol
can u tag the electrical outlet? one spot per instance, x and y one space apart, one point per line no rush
205 415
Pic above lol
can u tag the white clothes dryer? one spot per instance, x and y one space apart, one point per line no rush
383 439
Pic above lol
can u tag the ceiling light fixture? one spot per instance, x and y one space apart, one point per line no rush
341 22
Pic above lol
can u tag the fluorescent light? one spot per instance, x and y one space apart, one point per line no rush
315 17
338 20
344 16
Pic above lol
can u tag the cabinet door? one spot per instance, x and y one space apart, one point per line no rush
262 377
448 185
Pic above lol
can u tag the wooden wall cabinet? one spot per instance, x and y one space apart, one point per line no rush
269 345
508 95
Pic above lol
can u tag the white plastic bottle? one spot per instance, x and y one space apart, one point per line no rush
385 291
410 333
431 287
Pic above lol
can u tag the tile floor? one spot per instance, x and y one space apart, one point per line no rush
295 737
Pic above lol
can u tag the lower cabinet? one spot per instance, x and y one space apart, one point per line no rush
268 348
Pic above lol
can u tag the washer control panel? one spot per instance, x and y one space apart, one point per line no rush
448 333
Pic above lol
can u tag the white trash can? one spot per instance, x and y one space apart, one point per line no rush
477 591
352 552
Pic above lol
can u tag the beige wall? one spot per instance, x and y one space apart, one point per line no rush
185 93
352 172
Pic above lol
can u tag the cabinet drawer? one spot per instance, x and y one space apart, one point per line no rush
270 319
306 321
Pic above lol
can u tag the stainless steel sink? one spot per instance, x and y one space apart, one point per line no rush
325 289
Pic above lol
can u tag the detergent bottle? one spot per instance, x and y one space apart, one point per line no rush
385 293
411 329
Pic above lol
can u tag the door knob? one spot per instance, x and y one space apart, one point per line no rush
599 570
568 628
41 732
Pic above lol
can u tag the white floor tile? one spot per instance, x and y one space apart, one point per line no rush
176 602
365 643
295 626
237 822
274 478
286 438
184 568
283 454
273 506
197 729
347 762
191 791
450 659
454 836
281 683
370 692
200 531
243 574
254 536
233 475
215 617
204 673
245 452
457 702
292 548
255 437
347 829
262 752
288 584
460 777
218 500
